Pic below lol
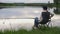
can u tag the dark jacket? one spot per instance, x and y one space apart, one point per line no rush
46 17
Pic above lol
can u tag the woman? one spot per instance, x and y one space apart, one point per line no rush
45 15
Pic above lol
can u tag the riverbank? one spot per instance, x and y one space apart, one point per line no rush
53 30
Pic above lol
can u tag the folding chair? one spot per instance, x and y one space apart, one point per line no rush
45 25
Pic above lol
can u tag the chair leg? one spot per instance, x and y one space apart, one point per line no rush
49 24
41 26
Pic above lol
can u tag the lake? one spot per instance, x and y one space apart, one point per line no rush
22 17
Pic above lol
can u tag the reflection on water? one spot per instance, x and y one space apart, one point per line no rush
20 12
23 12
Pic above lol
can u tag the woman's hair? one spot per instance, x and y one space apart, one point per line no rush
44 7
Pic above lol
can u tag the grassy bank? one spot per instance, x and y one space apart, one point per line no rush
54 30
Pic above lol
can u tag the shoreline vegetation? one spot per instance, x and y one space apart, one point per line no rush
53 30
29 4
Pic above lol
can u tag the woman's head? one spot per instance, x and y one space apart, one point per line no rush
44 7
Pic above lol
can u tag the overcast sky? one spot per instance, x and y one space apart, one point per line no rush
26 1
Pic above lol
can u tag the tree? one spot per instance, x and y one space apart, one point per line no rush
56 3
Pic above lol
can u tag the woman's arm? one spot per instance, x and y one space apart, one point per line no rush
51 15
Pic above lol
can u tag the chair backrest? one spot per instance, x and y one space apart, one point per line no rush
46 17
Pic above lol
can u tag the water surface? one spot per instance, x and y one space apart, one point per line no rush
25 15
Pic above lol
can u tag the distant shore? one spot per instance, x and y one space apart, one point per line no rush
29 4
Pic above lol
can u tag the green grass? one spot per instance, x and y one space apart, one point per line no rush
54 30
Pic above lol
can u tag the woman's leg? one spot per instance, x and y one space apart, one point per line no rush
36 23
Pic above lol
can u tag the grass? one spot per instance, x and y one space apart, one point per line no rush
54 30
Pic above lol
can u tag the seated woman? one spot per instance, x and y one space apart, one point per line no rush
45 15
